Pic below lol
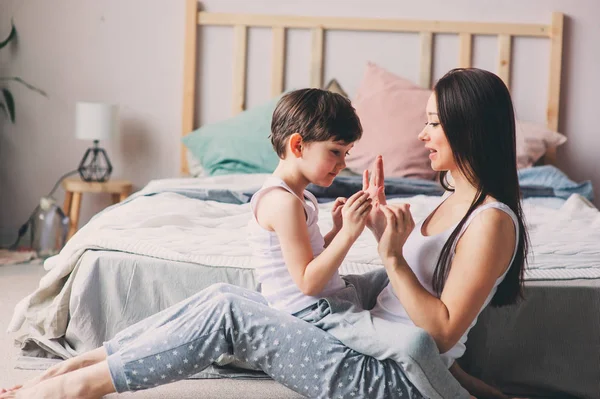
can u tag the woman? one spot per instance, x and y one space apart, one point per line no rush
470 251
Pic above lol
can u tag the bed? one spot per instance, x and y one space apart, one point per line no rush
178 236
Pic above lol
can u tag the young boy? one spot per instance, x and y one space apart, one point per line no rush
312 131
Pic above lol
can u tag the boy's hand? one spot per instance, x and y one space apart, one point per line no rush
336 213
354 214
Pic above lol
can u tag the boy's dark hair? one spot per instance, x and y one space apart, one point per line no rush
317 115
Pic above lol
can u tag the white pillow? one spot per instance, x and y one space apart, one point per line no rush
194 165
533 140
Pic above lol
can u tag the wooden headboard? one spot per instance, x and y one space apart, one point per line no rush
319 25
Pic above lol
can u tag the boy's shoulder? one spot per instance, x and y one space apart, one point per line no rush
278 206
279 197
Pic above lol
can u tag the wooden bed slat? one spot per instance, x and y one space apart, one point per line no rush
189 76
316 61
426 59
504 58
465 50
556 45
319 25
278 61
239 68
372 24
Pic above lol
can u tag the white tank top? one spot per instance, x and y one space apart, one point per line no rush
421 253
277 285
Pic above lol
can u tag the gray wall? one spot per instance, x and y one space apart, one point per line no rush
131 53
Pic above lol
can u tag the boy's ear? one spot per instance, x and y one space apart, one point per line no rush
295 145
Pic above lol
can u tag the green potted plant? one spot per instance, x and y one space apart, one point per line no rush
7 102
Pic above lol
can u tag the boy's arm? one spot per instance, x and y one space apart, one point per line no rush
284 214
475 386
330 236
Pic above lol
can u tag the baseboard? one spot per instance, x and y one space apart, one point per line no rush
8 235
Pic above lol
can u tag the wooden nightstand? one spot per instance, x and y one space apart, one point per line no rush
74 189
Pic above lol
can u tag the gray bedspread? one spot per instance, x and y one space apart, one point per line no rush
547 345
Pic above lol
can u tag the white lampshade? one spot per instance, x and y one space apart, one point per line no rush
96 121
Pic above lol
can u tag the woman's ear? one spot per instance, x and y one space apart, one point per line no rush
295 145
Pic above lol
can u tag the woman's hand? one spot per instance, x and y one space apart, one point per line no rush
336 213
399 225
354 214
375 188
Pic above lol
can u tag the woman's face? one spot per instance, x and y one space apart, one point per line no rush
440 153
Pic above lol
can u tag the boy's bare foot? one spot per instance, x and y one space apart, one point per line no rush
86 383
84 360
10 389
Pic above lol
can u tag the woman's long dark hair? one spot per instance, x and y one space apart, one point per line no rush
476 113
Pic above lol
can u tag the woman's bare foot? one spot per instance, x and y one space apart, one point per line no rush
90 382
84 360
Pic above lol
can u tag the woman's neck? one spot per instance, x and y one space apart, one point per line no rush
463 189
292 177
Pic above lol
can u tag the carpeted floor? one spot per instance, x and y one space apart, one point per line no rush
16 281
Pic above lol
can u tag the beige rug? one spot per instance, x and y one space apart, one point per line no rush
16 281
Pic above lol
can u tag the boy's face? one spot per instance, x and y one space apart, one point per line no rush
322 161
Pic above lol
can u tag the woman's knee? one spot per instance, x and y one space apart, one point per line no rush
226 300
420 344
218 288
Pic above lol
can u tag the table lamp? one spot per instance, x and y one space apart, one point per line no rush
95 121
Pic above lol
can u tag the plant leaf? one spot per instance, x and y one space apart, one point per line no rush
11 35
10 104
24 83
3 108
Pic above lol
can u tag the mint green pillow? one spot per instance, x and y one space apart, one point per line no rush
236 145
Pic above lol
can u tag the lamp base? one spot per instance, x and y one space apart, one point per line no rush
95 165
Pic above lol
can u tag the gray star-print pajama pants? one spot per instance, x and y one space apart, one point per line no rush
187 337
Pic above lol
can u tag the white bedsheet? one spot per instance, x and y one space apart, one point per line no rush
173 227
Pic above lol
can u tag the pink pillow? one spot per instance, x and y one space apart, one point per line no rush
532 142
392 113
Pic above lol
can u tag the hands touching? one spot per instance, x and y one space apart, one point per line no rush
375 188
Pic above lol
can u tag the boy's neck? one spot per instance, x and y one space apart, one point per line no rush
292 177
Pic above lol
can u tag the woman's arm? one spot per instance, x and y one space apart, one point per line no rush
482 255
